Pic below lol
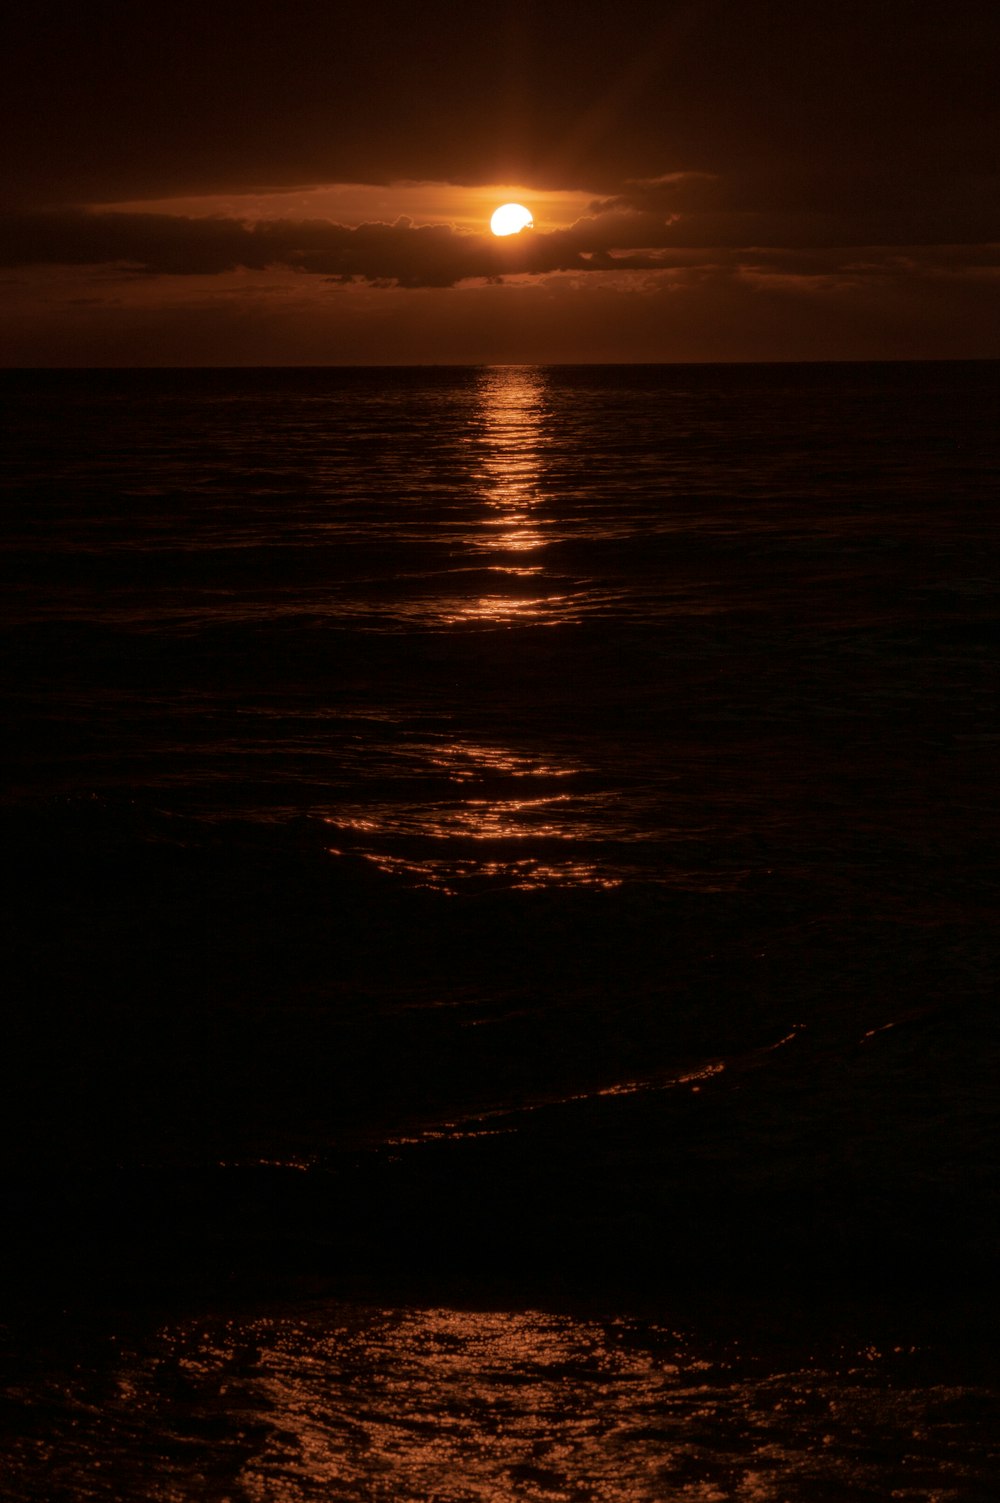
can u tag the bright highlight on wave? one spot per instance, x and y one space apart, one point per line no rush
510 218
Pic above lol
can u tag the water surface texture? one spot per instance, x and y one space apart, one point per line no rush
509 831
452 1404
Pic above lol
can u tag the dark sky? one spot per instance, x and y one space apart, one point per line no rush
711 179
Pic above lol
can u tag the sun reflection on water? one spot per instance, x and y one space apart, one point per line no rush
511 407
452 1405
509 610
422 832
511 446
512 820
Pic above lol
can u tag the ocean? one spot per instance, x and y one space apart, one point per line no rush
500 935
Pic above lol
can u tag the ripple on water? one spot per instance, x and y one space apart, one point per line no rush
449 1404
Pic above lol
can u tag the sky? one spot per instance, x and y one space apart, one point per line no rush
251 183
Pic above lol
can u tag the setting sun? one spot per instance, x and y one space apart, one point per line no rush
510 218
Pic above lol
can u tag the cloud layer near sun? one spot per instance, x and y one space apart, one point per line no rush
646 227
410 255
708 181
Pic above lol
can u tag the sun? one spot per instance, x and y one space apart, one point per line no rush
510 218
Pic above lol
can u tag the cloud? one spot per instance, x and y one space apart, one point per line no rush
633 231
922 305
840 206
401 253
782 180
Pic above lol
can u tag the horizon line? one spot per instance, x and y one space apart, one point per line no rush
517 364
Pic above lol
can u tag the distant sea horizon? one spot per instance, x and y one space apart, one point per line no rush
515 364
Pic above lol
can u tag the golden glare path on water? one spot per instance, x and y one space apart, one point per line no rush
507 540
446 1405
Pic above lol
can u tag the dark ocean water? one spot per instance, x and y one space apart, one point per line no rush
494 837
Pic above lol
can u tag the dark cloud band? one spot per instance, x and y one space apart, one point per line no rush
619 236
402 253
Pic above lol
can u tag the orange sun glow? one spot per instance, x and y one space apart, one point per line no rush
510 218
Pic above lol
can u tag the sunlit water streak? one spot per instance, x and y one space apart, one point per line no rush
628 573
414 1404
